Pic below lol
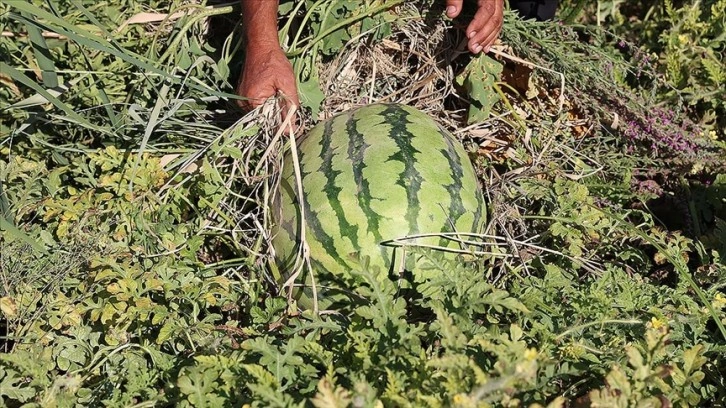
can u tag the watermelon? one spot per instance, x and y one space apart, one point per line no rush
371 175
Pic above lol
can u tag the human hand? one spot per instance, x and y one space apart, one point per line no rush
266 72
484 27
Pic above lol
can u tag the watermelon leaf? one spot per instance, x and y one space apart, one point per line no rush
310 94
478 78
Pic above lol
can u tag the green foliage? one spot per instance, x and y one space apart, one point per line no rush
327 26
645 382
685 39
478 79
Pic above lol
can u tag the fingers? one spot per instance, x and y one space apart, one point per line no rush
254 93
294 123
254 96
288 89
242 103
453 7
257 95
264 75
286 85
486 25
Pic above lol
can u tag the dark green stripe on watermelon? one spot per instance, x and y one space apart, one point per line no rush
311 216
357 147
332 190
456 206
286 213
410 179
287 224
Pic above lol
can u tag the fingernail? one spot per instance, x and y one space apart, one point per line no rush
471 34
486 50
450 10
477 48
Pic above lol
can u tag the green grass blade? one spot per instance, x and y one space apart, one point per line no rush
93 41
4 205
42 56
92 18
23 79
86 38
161 102
107 105
38 99
12 233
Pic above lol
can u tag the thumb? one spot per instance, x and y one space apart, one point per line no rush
288 88
291 101
453 7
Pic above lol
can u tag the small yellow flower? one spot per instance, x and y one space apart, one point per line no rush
573 351
459 399
531 354
683 39
719 301
712 134
657 323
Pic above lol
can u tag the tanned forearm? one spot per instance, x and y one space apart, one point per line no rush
259 22
266 71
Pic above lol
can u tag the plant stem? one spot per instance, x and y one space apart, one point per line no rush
575 12
203 13
344 23
590 324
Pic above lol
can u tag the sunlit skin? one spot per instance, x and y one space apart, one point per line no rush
267 71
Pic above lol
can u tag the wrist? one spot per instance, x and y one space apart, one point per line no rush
262 42
262 48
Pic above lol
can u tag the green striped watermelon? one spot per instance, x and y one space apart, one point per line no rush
370 175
